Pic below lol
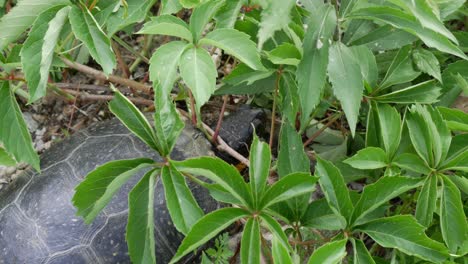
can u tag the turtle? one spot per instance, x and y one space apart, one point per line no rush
37 219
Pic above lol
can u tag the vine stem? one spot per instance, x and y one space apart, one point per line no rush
222 145
220 118
99 75
130 49
192 108
146 46
120 61
273 110
99 97
316 134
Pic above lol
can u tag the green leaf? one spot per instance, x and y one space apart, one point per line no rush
368 65
345 75
133 119
21 17
279 253
427 201
401 69
452 217
134 12
199 73
285 53
219 172
427 16
250 244
263 85
291 156
446 8
380 192
191 3
361 254
95 192
182 206
424 93
455 119
259 169
407 22
346 6
460 181
243 74
16 139
163 65
219 193
275 15
140 226
312 70
293 159
319 215
206 228
86 29
288 97
429 134
228 14
404 233
368 159
455 78
292 185
384 37
411 162
373 133
334 188
167 122
457 158
167 25
330 253
201 15
170 7
235 43
427 62
276 229
6 159
389 122
420 135
38 49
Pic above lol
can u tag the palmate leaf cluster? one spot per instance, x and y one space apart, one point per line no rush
386 71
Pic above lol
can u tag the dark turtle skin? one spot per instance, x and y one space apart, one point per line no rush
37 219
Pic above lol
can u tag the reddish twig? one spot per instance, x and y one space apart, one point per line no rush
220 118
320 131
120 61
192 108
273 110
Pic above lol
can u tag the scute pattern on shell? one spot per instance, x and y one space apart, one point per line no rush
37 219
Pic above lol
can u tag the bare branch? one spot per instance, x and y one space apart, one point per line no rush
99 75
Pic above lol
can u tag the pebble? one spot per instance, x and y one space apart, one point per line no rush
30 122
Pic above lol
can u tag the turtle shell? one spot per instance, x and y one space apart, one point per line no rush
37 219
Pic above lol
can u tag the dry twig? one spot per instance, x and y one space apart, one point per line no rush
99 75
99 97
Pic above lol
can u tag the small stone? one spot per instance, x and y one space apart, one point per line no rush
10 170
40 132
30 122
39 118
